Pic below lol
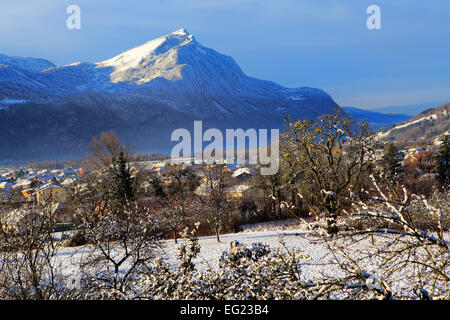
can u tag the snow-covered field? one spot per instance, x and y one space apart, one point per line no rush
211 250
293 236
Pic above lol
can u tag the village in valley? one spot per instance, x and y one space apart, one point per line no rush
26 187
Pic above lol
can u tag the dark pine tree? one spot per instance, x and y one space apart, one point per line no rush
125 189
392 160
442 160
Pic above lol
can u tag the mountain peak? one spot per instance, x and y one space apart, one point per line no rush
181 31
135 57
180 34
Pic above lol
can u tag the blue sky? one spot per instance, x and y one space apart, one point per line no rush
323 44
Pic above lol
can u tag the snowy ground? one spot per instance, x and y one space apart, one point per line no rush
211 250
279 226
269 233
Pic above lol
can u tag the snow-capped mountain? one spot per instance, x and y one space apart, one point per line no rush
156 58
144 93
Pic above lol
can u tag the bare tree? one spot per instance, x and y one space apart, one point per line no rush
176 198
121 250
174 213
28 247
327 160
216 208
272 193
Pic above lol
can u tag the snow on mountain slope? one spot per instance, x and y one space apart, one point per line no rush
189 66
430 124
30 64
156 58
406 125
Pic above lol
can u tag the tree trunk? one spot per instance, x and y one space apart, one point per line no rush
175 235
217 236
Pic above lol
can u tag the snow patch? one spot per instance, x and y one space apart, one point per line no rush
296 98
431 117
12 101
132 57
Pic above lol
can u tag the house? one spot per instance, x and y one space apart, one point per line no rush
231 167
160 170
204 188
6 177
379 153
242 175
237 192
68 182
6 185
11 219
44 178
23 184
159 165
60 210
5 195
29 194
52 192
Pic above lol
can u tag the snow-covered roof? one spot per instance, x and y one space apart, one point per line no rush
238 188
22 182
242 171
68 182
205 186
51 186
6 185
